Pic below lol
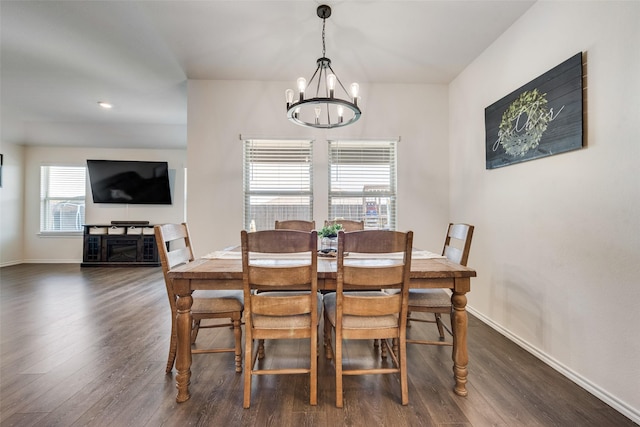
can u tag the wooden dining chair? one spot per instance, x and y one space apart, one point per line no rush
174 248
347 224
364 311
438 301
287 305
295 224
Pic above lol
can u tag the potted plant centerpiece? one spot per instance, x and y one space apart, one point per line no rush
329 238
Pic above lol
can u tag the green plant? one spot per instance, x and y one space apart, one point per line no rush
330 230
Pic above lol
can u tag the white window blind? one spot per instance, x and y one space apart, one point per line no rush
62 198
362 182
278 181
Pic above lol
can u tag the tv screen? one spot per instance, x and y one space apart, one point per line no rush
133 182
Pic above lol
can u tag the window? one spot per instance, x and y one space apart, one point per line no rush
277 182
62 193
362 182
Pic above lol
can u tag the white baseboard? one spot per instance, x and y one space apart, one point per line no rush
10 263
617 404
52 261
41 261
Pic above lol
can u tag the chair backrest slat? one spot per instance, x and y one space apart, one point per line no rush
279 276
281 306
348 225
179 256
379 277
279 241
295 224
367 306
376 241
457 244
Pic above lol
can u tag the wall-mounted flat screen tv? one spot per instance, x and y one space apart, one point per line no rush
131 182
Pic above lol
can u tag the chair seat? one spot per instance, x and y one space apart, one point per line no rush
437 298
359 322
217 301
300 321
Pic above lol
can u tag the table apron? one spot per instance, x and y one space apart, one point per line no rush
182 286
218 284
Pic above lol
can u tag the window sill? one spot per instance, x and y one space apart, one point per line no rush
64 234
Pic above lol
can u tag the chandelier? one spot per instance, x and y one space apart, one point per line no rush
326 109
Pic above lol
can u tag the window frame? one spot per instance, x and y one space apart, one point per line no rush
298 154
46 214
379 186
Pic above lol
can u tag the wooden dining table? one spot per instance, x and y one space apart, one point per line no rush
221 273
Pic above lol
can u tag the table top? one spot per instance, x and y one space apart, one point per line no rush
231 269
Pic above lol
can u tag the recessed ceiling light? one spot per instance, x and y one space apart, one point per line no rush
105 105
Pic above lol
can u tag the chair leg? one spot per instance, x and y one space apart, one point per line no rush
327 338
439 324
338 365
313 371
194 331
173 347
248 358
402 359
237 332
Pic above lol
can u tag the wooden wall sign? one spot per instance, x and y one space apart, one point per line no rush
542 118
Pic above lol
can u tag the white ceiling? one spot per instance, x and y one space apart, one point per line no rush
59 58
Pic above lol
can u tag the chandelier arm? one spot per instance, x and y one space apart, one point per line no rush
326 90
328 114
339 81
320 79
314 75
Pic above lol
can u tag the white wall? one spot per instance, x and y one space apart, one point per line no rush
557 239
219 111
39 248
11 204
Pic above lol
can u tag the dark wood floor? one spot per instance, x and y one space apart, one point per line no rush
88 347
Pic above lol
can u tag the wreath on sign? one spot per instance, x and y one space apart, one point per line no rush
523 123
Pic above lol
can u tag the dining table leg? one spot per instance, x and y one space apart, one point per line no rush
459 323
183 358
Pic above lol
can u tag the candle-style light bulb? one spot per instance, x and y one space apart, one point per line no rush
340 109
318 110
331 84
302 85
355 89
288 94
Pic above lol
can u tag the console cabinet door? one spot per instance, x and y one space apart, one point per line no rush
92 248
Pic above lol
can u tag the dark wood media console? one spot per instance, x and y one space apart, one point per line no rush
119 245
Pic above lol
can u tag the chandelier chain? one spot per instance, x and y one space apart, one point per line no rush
323 46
